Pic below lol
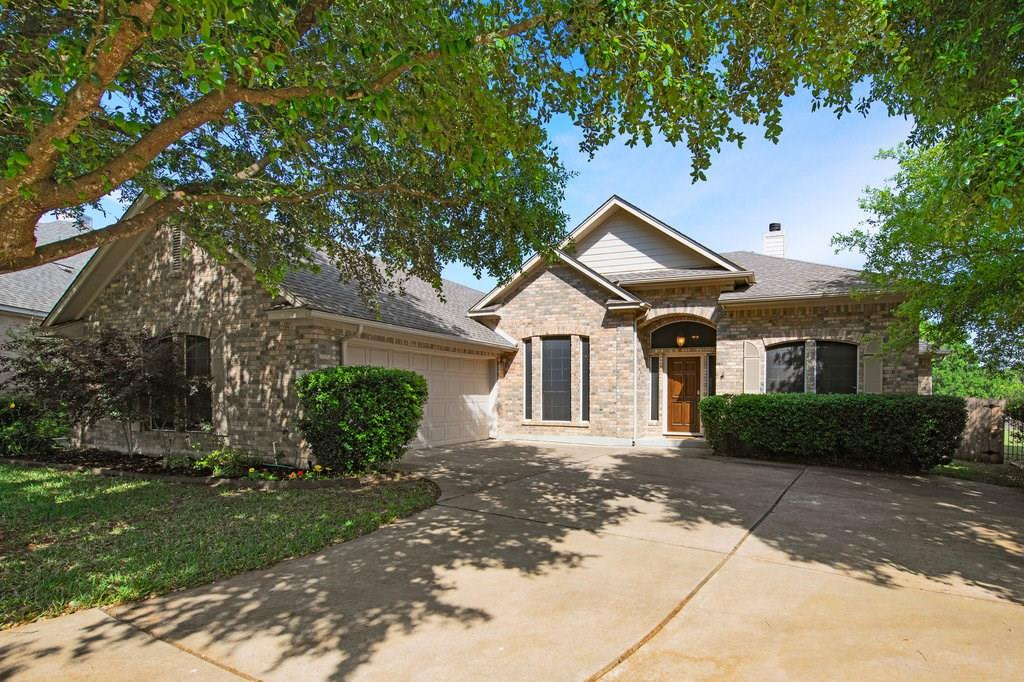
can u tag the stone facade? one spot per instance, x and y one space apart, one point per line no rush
558 302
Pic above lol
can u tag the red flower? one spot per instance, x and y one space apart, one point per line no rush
300 474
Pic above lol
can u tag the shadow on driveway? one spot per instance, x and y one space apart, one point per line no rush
549 561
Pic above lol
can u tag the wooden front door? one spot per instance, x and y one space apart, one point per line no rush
683 395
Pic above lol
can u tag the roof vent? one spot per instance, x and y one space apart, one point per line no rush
773 242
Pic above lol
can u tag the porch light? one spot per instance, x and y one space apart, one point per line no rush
680 341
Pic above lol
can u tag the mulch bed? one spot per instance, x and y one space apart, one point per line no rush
113 463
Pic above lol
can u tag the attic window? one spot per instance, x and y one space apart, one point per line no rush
176 249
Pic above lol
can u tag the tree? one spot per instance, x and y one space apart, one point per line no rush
960 374
411 130
110 375
948 229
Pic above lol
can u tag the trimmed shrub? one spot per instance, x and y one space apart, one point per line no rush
26 428
903 433
360 418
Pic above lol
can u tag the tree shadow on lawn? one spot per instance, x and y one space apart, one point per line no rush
335 611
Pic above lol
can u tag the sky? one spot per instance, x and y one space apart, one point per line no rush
810 182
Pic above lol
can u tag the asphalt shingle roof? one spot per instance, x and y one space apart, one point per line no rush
38 289
419 308
785 277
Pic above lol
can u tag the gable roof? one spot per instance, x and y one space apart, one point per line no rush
36 290
786 278
613 203
419 307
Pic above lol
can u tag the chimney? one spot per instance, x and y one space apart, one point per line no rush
774 242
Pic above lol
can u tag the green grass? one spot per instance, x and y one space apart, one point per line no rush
998 474
72 540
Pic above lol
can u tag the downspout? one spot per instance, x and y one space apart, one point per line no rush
634 381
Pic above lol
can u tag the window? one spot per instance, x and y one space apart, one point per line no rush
784 372
181 395
527 379
584 378
556 378
835 367
711 374
198 395
655 388
684 335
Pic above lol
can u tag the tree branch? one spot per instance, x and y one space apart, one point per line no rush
211 107
83 99
126 227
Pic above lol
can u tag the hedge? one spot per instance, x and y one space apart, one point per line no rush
357 419
904 433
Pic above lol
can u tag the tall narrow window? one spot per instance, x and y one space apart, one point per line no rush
785 368
198 396
527 379
655 390
556 379
711 375
161 358
584 379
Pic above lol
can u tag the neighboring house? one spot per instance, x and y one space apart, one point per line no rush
614 343
27 296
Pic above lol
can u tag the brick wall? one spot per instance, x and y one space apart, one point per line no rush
255 360
557 301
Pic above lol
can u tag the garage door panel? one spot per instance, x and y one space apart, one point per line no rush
457 408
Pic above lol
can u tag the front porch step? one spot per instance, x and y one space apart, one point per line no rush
697 445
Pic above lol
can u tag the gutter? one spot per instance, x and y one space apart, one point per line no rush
310 314
753 302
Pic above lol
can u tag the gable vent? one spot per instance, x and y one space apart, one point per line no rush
176 249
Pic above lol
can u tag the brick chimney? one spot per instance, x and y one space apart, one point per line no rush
773 243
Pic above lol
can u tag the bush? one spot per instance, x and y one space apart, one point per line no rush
26 428
904 433
226 462
360 418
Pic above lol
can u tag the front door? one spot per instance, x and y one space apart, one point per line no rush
683 395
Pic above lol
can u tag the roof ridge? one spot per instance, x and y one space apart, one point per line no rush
794 260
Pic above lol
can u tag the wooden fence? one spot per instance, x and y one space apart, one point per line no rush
983 435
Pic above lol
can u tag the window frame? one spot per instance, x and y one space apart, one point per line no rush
802 345
528 379
182 404
584 377
818 345
548 405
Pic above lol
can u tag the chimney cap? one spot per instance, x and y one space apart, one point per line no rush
775 227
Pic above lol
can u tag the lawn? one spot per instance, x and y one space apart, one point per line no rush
998 474
71 540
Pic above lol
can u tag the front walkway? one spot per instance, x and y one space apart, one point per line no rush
561 562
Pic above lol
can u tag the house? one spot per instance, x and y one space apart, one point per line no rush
615 342
28 295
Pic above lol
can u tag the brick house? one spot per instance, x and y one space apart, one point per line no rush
615 342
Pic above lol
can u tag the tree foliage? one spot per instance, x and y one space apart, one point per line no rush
412 130
961 374
110 375
948 228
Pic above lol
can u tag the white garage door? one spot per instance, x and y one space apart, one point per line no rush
457 409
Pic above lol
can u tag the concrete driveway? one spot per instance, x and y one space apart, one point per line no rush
558 562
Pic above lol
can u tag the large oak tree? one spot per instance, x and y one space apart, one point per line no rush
414 130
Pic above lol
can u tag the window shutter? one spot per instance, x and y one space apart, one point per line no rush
872 374
751 368
872 357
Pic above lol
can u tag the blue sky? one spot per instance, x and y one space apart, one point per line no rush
810 182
